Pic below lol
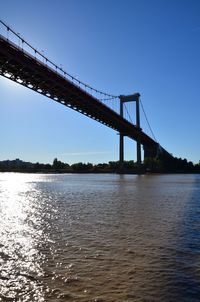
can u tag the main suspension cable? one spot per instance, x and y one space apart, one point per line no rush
128 113
147 121
23 41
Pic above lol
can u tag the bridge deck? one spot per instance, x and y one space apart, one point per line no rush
25 69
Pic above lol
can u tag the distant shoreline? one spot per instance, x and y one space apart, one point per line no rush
149 166
123 173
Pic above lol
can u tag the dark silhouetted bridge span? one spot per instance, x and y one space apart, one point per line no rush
25 68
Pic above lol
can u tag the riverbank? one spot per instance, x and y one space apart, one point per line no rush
150 165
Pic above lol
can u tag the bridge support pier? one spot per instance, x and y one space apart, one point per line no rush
121 151
137 100
123 99
150 152
121 141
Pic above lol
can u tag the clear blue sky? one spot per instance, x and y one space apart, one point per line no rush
122 47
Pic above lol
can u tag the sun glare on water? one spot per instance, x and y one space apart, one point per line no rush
20 232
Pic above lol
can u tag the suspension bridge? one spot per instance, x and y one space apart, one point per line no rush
24 64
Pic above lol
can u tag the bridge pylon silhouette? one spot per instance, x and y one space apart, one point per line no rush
124 99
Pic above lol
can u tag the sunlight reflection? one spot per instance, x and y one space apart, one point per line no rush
20 237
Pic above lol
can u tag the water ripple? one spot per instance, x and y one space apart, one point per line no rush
99 238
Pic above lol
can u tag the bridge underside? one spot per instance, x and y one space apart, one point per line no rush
23 68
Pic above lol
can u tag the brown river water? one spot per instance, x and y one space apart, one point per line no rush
103 238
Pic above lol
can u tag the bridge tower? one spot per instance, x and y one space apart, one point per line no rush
124 99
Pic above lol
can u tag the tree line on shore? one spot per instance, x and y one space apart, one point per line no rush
153 165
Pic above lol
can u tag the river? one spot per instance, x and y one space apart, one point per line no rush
99 238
